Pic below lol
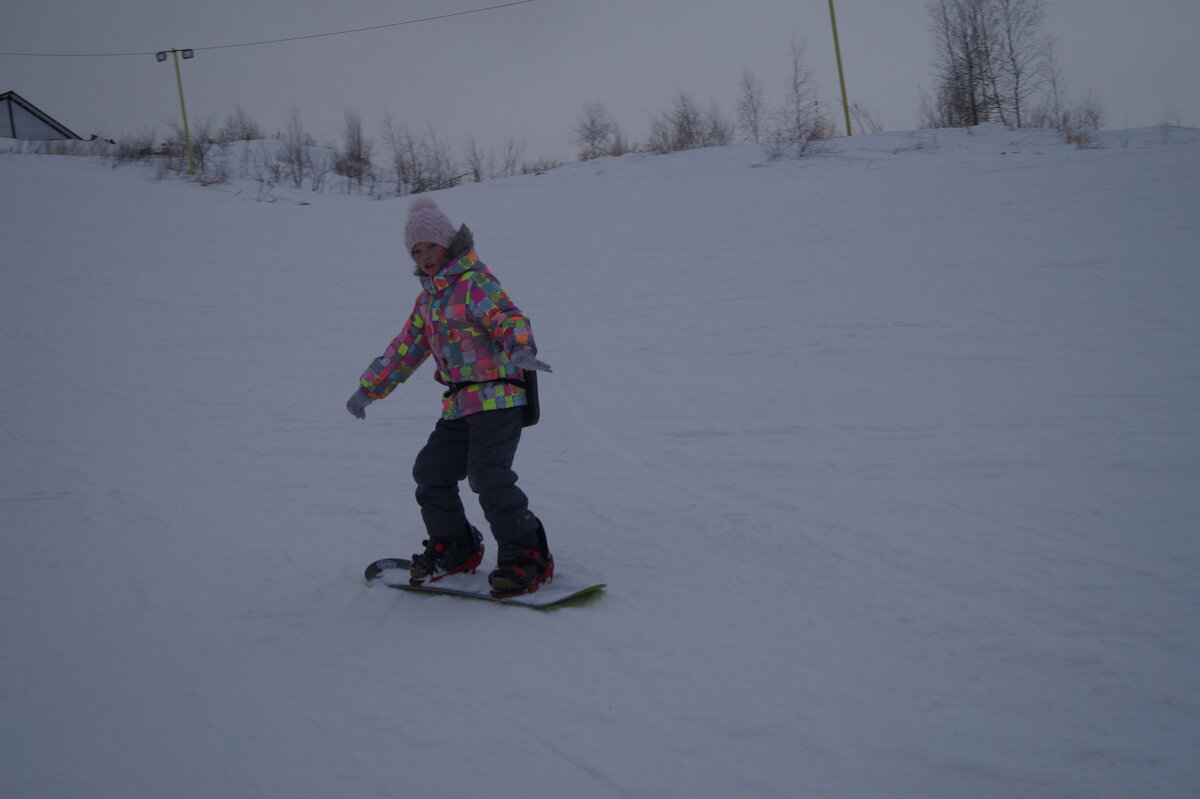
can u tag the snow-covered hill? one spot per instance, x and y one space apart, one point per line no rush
889 455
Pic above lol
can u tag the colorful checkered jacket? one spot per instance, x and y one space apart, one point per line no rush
466 321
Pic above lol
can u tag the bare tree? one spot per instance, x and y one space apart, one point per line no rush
751 108
618 145
355 145
295 156
1051 112
801 117
510 161
990 60
202 140
687 126
1020 57
1171 117
395 138
594 131
660 140
239 127
1056 110
354 161
320 164
865 119
1088 112
440 165
480 165
421 163
963 37
719 129
484 165
679 128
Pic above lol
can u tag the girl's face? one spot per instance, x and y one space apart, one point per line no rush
429 257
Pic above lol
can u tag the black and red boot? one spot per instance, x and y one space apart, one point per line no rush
445 556
522 566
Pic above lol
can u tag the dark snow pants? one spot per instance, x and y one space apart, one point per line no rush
479 448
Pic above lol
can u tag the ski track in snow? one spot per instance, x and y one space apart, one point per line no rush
888 455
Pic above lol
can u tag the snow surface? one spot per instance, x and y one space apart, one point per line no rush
889 455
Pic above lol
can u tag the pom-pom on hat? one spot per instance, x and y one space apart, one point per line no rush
426 222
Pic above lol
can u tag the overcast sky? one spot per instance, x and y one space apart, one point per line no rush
524 72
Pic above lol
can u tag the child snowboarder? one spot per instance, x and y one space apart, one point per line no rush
480 343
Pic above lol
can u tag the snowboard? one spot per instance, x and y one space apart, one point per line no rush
393 572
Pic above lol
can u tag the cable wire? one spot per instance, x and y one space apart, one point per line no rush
276 41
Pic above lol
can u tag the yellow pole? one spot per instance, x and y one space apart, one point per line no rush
837 48
187 136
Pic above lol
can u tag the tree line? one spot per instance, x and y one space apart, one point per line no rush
786 122
993 62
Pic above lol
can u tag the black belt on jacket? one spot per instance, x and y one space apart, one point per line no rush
454 388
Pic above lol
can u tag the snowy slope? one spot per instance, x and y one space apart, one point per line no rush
889 456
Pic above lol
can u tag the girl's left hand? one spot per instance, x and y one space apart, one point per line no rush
526 360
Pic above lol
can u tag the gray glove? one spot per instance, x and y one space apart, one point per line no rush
357 404
525 359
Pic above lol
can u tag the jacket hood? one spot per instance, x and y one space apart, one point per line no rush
462 243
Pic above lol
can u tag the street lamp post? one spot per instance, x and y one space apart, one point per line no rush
161 55
837 49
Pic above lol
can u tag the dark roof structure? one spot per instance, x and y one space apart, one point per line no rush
21 119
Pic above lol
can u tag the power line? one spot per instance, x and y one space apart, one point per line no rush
277 41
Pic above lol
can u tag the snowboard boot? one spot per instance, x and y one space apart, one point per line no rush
522 566
446 556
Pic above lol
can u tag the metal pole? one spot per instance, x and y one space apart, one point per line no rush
187 136
837 49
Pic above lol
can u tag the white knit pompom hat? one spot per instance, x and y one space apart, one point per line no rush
426 222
